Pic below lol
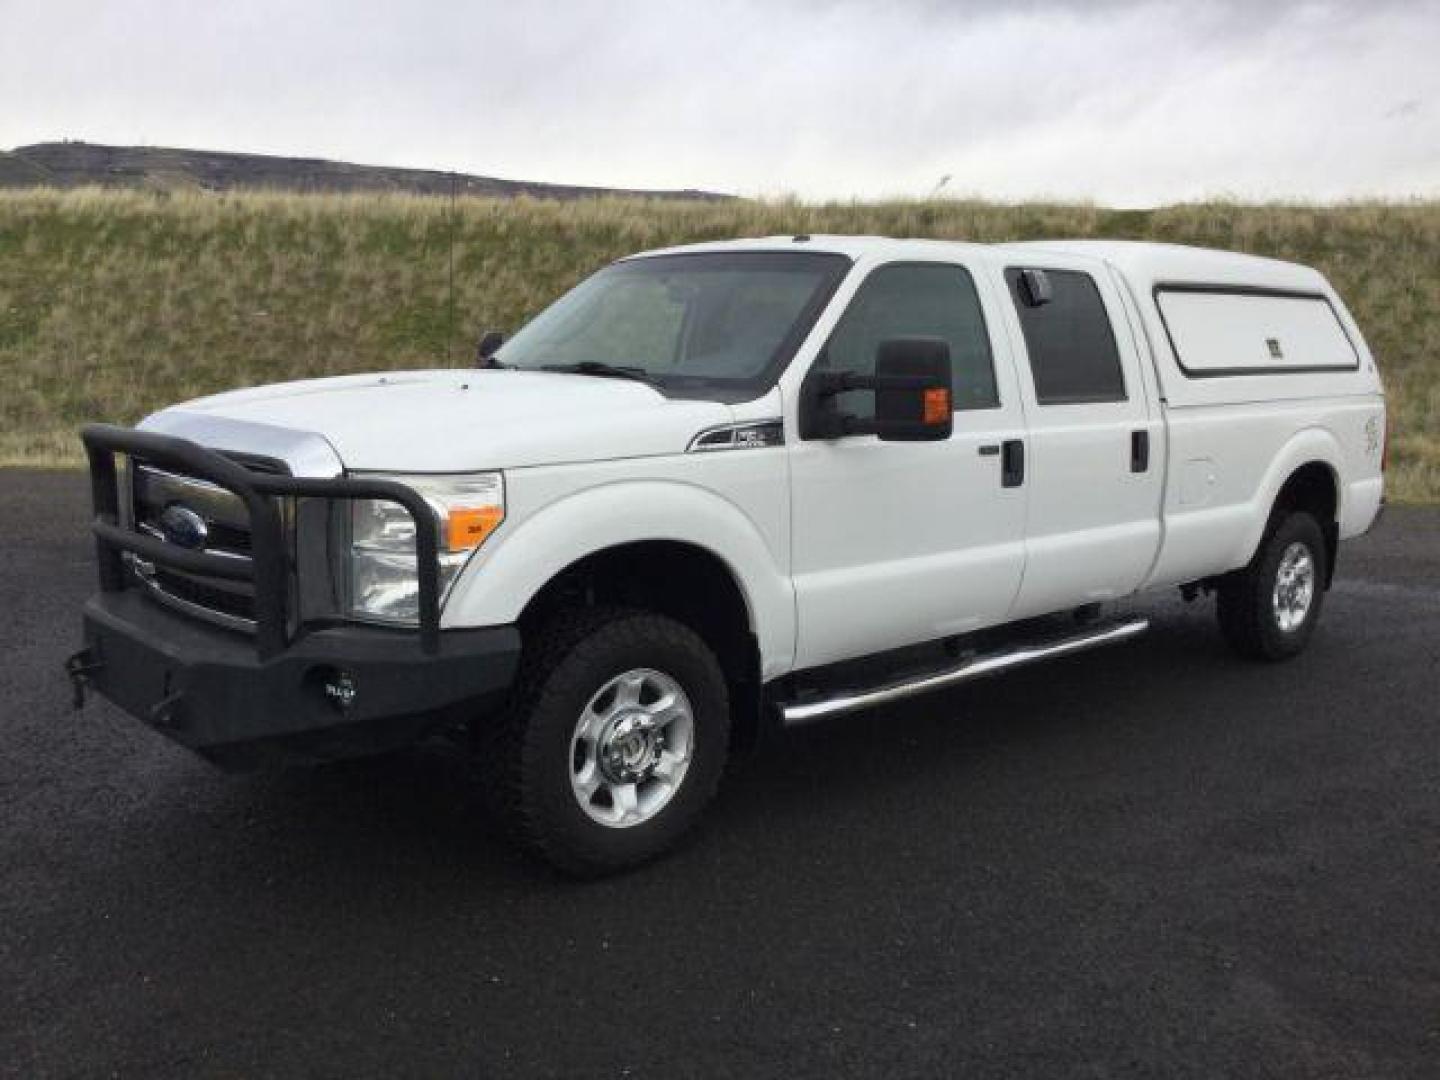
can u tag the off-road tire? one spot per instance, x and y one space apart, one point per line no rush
526 750
1245 598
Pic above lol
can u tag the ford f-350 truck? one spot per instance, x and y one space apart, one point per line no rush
714 485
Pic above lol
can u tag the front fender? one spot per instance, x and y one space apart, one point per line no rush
501 580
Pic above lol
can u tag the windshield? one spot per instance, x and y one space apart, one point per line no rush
704 325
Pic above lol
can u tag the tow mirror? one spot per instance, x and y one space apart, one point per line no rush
490 342
911 384
912 390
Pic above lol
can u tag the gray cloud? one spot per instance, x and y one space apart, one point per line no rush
1126 101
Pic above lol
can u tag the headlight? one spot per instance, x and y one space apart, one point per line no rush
383 582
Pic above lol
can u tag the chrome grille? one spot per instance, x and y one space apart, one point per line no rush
152 490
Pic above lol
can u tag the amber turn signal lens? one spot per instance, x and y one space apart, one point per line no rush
937 405
468 528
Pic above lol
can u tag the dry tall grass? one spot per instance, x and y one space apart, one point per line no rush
115 303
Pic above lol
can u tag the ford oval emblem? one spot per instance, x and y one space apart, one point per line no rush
183 527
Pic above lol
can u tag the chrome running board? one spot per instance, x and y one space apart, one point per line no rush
973 668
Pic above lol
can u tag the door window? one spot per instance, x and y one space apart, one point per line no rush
935 300
1073 356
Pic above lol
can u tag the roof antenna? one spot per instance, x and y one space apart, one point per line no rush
450 317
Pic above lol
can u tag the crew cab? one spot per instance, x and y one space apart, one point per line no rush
723 484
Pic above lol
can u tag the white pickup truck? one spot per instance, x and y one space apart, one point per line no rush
689 496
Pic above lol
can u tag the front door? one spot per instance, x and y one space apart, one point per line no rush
895 543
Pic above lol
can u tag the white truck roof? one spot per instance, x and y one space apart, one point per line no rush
854 246
1143 263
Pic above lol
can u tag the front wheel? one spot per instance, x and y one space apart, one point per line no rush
1269 609
614 741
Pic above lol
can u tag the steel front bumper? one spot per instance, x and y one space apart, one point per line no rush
334 692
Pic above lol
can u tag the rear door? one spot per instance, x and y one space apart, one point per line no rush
1093 467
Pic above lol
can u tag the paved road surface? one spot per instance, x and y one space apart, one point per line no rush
1150 861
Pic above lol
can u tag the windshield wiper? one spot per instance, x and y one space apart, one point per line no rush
611 371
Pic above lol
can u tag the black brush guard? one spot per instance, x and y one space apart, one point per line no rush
290 690
266 568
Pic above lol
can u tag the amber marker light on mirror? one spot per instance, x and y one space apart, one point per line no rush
937 406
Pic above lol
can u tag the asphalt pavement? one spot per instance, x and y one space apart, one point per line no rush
1155 860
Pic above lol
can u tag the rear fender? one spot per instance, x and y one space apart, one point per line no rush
1304 448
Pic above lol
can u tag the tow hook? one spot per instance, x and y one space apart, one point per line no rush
80 667
162 713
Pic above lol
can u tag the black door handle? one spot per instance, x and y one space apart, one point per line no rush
990 450
1139 451
1012 463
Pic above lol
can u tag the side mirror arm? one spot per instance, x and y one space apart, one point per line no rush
829 423
830 383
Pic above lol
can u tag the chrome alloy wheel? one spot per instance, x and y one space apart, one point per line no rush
1294 587
631 748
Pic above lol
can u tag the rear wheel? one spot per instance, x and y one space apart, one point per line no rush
614 741
1269 609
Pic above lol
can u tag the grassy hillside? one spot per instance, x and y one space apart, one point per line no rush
115 303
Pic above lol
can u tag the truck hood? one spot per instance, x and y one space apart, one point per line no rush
452 420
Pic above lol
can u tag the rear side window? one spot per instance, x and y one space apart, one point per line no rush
935 300
1220 330
1072 349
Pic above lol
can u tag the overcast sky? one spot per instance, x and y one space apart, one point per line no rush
1128 102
